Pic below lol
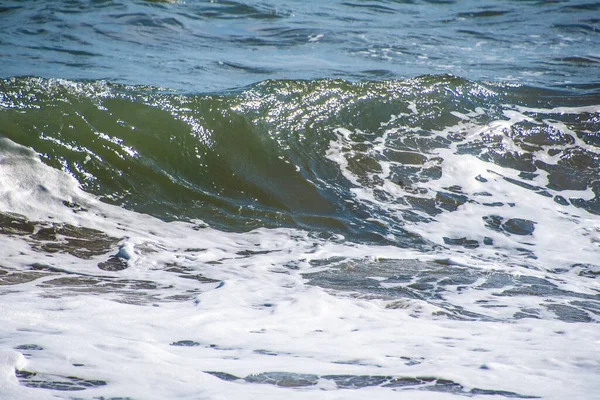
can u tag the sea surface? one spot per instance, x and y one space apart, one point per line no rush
299 199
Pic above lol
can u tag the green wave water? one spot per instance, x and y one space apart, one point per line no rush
260 156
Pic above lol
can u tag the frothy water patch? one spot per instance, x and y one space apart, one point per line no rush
61 383
460 292
292 380
517 182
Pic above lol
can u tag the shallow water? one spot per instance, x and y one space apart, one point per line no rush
258 200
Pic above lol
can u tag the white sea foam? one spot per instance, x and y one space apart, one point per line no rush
563 235
147 332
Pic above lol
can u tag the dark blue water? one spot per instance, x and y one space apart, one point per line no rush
200 46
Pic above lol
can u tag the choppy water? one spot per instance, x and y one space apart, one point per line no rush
259 200
201 46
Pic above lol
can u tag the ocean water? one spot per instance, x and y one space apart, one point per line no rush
299 199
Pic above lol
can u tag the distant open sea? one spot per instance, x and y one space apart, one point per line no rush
299 199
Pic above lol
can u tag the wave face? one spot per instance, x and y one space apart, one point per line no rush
369 161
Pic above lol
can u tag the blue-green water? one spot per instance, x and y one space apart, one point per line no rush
261 157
